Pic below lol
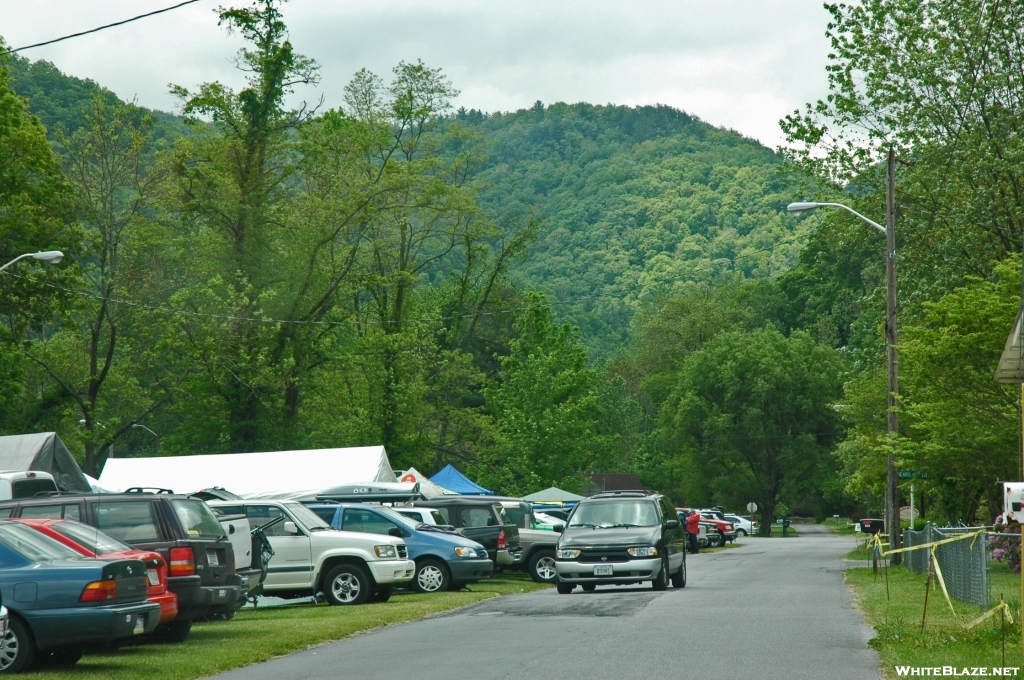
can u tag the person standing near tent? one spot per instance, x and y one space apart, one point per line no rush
692 531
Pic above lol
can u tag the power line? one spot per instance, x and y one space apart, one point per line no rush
348 322
99 28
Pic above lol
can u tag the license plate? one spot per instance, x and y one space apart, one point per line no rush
211 559
154 578
140 625
603 570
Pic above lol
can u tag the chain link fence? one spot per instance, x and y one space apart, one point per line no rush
964 564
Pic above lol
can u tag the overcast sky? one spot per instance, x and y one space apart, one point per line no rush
741 64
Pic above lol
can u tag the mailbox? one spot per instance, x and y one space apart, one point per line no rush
872 526
1013 502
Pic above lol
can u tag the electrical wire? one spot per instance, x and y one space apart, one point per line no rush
349 322
98 28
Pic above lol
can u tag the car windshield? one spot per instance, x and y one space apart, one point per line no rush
606 514
196 519
34 545
306 517
90 537
395 516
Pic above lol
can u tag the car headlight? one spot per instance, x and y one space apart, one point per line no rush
567 553
465 551
385 551
646 551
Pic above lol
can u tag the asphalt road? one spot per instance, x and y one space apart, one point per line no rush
772 609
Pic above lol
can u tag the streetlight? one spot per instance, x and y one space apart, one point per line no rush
143 427
892 519
51 256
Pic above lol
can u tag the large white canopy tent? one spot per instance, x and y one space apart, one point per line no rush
427 487
252 473
45 452
553 495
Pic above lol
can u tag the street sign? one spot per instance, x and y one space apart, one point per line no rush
907 474
751 506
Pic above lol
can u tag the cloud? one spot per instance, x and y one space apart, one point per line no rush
742 64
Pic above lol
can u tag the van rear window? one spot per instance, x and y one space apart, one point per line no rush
26 488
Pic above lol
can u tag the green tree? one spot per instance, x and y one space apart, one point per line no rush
546 409
753 413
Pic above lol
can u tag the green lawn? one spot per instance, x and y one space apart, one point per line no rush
945 641
256 635
842 526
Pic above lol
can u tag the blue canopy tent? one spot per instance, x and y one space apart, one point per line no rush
453 480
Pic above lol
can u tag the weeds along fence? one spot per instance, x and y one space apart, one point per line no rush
964 564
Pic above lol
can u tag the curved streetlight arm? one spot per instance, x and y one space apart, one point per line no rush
52 256
143 427
801 207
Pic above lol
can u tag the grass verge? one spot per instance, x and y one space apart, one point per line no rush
841 526
727 546
256 635
944 642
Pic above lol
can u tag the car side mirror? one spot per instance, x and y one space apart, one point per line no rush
396 532
558 528
290 528
672 524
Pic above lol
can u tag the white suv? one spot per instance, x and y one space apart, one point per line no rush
310 557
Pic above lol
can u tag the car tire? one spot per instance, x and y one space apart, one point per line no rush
18 648
661 581
563 588
679 578
542 566
741 532
347 584
589 587
718 542
431 577
175 631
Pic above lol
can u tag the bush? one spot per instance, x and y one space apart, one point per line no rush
1005 543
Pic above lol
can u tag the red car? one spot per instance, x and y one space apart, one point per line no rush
92 542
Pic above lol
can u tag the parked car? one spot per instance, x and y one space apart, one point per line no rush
621 537
744 527
537 539
25 484
91 542
311 557
182 530
479 519
444 560
425 515
60 601
726 530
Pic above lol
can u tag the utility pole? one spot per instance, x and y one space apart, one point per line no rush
892 496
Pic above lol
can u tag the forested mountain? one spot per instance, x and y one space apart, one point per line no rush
631 204
634 203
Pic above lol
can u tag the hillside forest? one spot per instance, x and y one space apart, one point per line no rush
531 295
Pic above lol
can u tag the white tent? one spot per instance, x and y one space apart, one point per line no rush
552 495
427 487
252 473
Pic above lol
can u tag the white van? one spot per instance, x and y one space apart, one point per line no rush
25 484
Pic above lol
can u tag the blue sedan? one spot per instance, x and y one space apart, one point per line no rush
60 601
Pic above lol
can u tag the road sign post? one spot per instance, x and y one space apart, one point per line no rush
751 508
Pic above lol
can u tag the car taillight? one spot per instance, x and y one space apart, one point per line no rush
502 541
99 591
183 562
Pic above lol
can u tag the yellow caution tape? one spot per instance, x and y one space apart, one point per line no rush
972 535
942 581
1001 606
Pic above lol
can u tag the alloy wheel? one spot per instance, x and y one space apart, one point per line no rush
546 568
346 588
9 647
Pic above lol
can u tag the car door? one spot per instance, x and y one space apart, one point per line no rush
674 538
292 563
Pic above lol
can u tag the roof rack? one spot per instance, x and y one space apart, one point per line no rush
622 494
51 494
147 489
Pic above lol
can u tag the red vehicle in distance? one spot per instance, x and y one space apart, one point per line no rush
91 542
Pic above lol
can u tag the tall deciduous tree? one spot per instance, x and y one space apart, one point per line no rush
753 412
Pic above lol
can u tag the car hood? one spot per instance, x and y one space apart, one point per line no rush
586 536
